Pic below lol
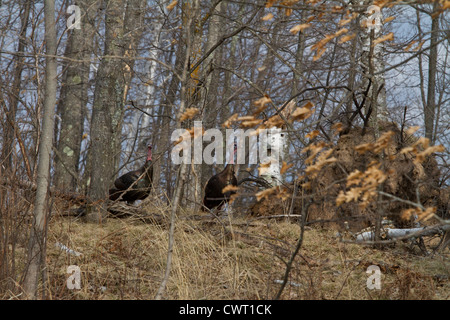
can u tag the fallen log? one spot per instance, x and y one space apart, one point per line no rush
67 249
392 234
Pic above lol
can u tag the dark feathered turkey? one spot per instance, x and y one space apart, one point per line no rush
134 185
214 197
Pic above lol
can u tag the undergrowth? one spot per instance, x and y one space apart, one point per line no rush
125 259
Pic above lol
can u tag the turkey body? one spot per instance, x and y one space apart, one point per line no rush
134 185
214 197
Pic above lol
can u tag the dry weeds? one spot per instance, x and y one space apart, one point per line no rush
125 259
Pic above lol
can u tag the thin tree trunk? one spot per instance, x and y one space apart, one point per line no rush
9 131
181 179
194 91
8 199
163 143
373 65
211 111
351 74
182 171
74 97
37 237
142 121
299 60
430 108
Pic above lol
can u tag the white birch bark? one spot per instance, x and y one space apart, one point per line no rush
393 233
372 62
273 150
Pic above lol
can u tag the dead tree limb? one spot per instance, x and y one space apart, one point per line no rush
27 185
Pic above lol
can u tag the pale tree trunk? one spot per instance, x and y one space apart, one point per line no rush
276 144
372 62
373 66
166 110
74 97
37 236
230 64
440 104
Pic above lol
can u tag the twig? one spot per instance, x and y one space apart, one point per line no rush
418 205
297 249
262 182
278 216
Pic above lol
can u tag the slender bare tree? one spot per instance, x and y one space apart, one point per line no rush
37 237
11 112
372 61
430 107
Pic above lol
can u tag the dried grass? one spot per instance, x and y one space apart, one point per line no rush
242 258
125 259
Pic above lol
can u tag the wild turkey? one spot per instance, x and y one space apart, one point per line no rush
214 197
134 185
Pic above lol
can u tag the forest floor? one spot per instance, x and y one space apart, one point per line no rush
239 259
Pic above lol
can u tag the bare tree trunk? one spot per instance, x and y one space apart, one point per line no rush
373 76
9 131
299 60
37 237
351 74
140 122
373 65
73 98
430 108
163 143
182 170
181 179
211 111
107 110
229 59
194 90
109 98
7 166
